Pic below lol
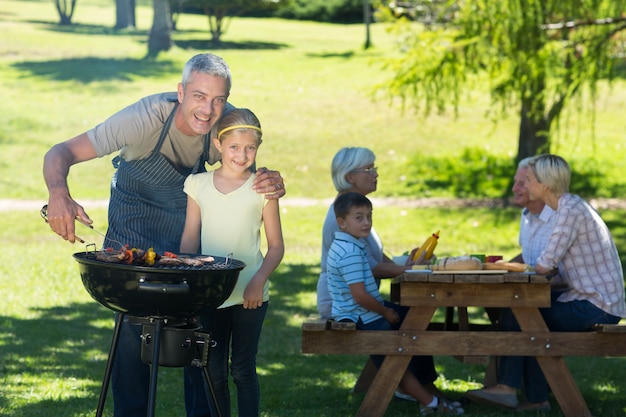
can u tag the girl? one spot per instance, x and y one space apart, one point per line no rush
224 215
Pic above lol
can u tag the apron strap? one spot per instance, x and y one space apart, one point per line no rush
162 136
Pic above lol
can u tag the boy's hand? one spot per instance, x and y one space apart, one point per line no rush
391 315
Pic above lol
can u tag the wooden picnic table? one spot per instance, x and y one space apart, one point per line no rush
424 292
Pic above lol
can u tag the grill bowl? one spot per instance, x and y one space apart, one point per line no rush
158 291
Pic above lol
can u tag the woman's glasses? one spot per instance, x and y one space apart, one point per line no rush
371 170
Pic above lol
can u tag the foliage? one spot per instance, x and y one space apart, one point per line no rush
336 11
476 173
424 11
536 56
219 12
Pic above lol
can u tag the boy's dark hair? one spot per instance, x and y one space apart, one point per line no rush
346 201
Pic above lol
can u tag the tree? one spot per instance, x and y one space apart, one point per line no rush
125 14
160 38
218 12
367 18
536 55
65 9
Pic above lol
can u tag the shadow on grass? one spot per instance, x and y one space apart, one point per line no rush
208 45
142 37
86 29
58 344
346 55
92 69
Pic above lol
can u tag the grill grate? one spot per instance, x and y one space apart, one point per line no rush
220 263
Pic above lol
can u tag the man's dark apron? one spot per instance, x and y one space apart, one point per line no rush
148 205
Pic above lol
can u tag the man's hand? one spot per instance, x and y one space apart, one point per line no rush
61 216
269 183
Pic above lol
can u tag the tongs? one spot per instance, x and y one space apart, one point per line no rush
44 215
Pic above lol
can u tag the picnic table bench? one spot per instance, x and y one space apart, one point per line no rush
423 293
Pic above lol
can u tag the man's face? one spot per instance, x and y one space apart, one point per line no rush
358 222
520 193
202 103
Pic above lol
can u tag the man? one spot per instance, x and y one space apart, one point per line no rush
536 221
161 139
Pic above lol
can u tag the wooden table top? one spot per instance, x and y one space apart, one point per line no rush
484 276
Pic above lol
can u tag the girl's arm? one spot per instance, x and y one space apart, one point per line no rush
190 241
253 294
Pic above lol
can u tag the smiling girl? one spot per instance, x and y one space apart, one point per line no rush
224 216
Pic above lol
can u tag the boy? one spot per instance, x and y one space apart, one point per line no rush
356 297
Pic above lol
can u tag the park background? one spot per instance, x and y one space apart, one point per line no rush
310 84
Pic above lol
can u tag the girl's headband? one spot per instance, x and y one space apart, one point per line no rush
228 129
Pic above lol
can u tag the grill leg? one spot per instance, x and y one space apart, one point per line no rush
205 370
155 367
202 360
107 372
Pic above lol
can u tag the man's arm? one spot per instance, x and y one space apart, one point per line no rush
62 209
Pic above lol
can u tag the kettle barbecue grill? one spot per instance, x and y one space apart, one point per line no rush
164 299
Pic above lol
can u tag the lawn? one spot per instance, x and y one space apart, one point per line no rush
309 83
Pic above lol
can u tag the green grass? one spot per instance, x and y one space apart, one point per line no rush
309 84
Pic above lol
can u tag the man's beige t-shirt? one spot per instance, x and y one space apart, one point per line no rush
135 131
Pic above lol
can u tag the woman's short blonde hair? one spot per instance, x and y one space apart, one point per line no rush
347 160
552 171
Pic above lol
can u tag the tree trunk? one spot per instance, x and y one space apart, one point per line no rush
160 38
125 14
534 133
65 11
367 17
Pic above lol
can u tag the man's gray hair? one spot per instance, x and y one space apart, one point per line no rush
207 64
524 162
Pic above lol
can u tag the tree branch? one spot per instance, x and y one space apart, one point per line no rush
573 24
